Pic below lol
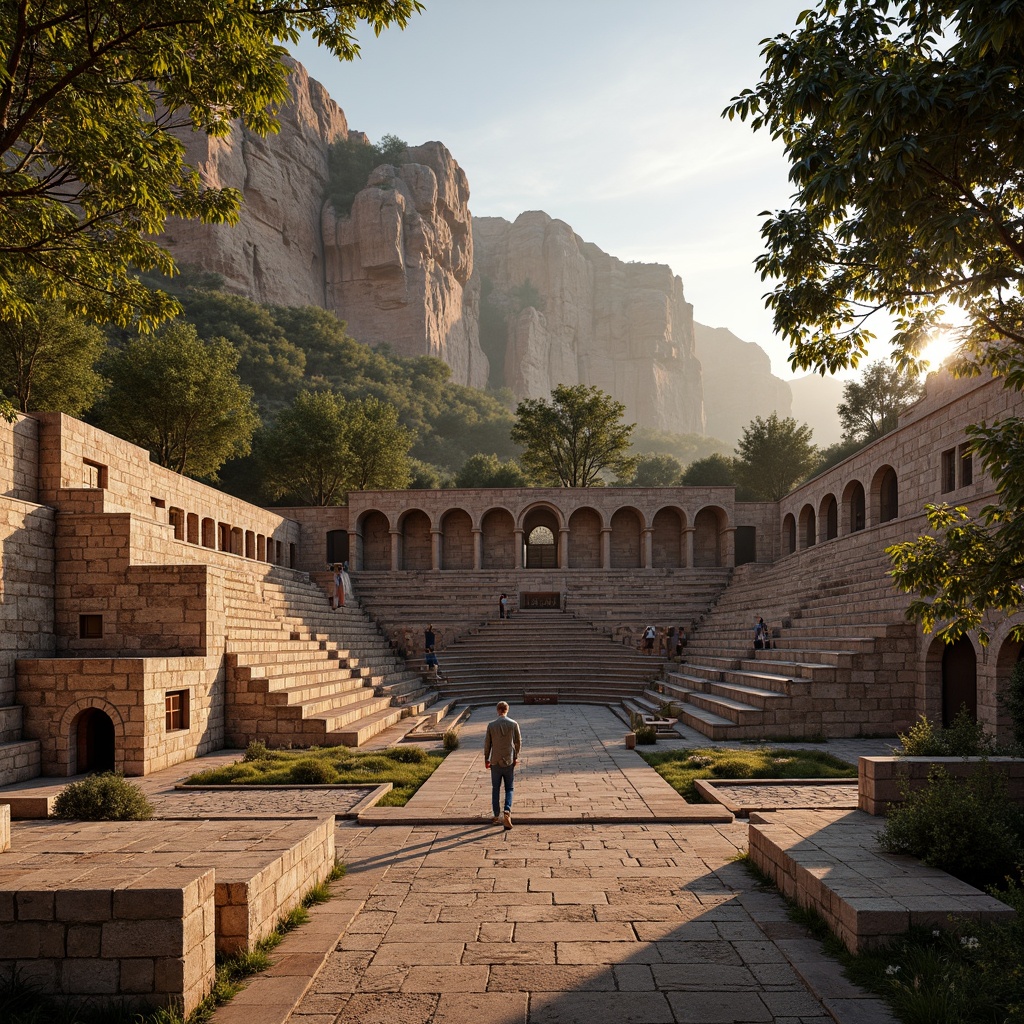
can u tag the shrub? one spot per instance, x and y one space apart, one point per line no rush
733 768
646 734
964 738
1013 703
451 740
967 827
313 771
256 751
108 796
406 755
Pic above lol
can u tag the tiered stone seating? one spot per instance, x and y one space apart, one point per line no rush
456 602
300 673
834 669
543 656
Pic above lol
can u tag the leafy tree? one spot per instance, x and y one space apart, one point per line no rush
304 455
654 471
93 97
489 471
836 453
774 454
322 446
179 397
378 446
871 406
350 163
571 441
713 471
48 359
901 124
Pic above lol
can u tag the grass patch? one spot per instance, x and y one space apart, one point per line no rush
681 768
23 1003
406 768
971 973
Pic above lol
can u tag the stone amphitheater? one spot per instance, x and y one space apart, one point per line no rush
149 620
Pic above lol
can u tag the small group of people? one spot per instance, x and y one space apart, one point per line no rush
668 643
341 584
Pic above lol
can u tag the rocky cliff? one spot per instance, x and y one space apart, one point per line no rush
397 267
275 252
738 382
574 315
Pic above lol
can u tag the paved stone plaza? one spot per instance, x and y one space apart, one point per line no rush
591 909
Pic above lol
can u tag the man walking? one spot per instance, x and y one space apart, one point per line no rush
502 744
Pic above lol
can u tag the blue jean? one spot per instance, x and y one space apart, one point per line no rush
502 773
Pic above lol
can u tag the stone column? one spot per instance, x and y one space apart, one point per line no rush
606 547
517 540
435 548
396 549
729 546
648 537
563 547
688 532
478 547
355 550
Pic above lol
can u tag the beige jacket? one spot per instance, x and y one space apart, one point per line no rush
503 741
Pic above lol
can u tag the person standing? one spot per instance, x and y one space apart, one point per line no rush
429 640
502 743
339 586
503 606
649 634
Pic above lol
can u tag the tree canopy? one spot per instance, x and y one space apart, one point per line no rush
48 360
871 405
902 124
772 455
93 97
179 397
571 441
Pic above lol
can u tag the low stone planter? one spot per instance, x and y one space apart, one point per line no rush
882 780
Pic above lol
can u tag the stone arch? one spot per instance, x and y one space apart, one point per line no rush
414 527
854 508
708 525
828 517
627 538
585 539
1009 653
808 527
541 526
885 495
499 539
789 534
456 539
375 530
959 679
667 538
91 737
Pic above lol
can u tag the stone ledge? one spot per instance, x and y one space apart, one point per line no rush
830 862
882 780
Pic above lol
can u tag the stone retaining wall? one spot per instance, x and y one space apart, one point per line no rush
143 941
881 781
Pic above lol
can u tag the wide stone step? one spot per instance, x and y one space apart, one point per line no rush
368 726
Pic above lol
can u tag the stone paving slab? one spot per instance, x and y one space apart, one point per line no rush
747 796
574 767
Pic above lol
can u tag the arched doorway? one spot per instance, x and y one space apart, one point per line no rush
789 533
808 526
93 735
855 507
829 517
959 680
540 538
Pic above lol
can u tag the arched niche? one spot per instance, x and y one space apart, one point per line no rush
626 547
708 525
667 539
854 508
499 546
789 533
456 540
885 492
959 680
585 539
376 533
828 517
415 527
540 538
808 527
92 742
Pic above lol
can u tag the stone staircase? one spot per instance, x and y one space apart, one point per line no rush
302 674
836 667
456 602
543 657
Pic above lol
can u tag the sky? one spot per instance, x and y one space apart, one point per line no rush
606 115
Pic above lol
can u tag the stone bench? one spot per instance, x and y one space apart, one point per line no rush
663 726
830 862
